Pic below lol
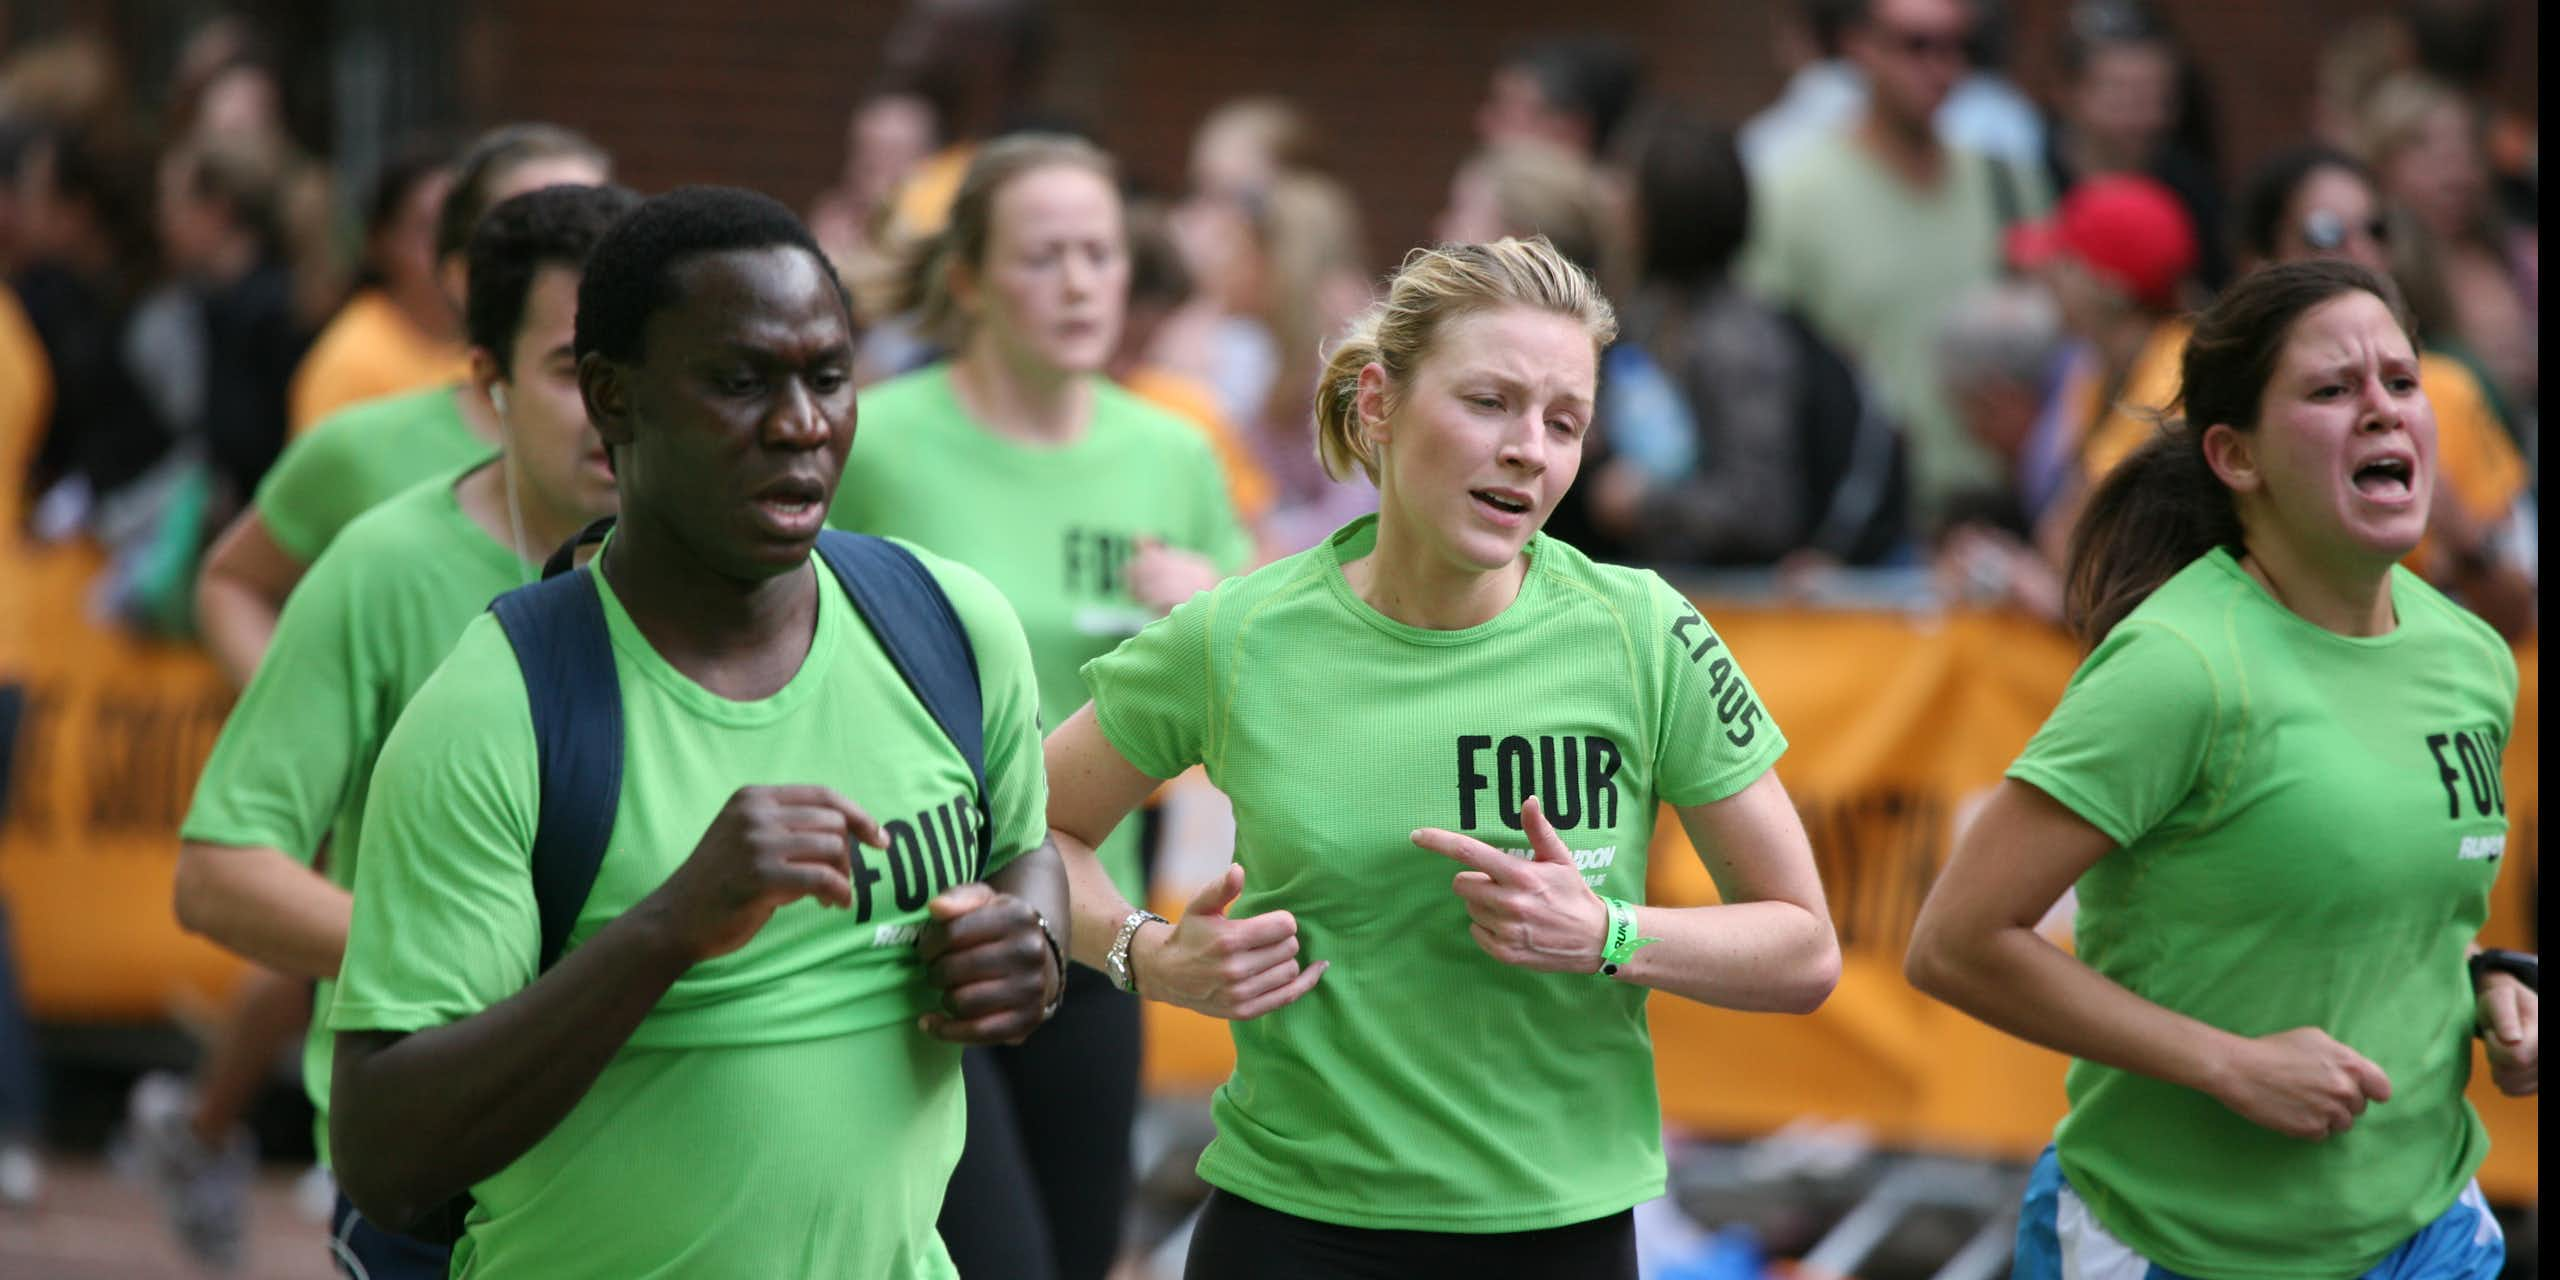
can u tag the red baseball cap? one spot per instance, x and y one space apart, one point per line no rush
2126 227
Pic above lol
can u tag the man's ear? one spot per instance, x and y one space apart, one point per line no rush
453 277
484 370
604 388
2233 455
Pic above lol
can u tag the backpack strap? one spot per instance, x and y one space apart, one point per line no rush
558 630
912 618
560 560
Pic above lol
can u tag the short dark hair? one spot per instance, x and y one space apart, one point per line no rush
1596 77
554 227
1693 198
492 156
2258 216
631 273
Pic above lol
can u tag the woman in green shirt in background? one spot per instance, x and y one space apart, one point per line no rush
1438 1075
2275 785
1093 512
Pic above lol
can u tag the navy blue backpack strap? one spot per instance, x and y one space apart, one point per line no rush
925 640
557 627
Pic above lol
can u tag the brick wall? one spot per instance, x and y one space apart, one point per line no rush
685 90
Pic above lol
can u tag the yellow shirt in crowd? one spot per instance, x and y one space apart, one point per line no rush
369 349
26 401
1248 484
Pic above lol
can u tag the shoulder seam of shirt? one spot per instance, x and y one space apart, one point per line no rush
1217 712
1627 651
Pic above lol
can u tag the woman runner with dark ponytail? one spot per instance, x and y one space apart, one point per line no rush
2274 783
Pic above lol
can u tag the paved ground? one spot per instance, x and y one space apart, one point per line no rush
92 1226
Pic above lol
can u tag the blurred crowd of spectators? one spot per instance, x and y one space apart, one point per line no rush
1902 316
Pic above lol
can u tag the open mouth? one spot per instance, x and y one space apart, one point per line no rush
2386 479
791 506
1507 503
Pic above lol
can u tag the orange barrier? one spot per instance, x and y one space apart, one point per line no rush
116 729
1897 724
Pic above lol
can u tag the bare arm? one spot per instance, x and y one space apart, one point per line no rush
1207 962
240 590
1975 947
415 1118
262 904
1770 944
1091 790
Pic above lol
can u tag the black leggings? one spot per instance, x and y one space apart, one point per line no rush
1043 1182
1240 1240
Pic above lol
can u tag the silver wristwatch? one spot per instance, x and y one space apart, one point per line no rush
1117 963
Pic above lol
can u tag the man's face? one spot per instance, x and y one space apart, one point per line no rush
556 450
1913 53
732 428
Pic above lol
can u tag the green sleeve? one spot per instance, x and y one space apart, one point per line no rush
1216 532
297 740
445 922
304 497
1151 695
1009 690
2128 741
1715 735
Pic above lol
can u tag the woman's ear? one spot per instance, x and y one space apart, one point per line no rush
1371 403
2233 455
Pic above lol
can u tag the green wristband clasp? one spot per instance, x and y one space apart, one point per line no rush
1621 941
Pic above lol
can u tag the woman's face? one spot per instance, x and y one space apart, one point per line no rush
1488 432
1056 272
2126 97
2438 172
2345 448
2333 214
889 136
405 250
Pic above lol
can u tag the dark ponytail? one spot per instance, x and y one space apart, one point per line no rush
2163 506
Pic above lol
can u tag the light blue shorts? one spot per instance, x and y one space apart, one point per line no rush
2059 1239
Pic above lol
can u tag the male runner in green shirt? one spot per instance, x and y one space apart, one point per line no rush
380 608
720 1076
358 457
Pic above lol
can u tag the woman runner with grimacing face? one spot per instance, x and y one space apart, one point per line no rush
1446 737
2274 783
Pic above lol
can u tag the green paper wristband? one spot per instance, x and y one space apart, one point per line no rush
1622 940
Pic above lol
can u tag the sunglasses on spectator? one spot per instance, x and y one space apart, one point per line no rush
1922 44
2327 232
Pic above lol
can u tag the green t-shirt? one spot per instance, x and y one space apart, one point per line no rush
1873 263
777 1113
358 457
2309 826
368 624
1423 1084
1053 528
